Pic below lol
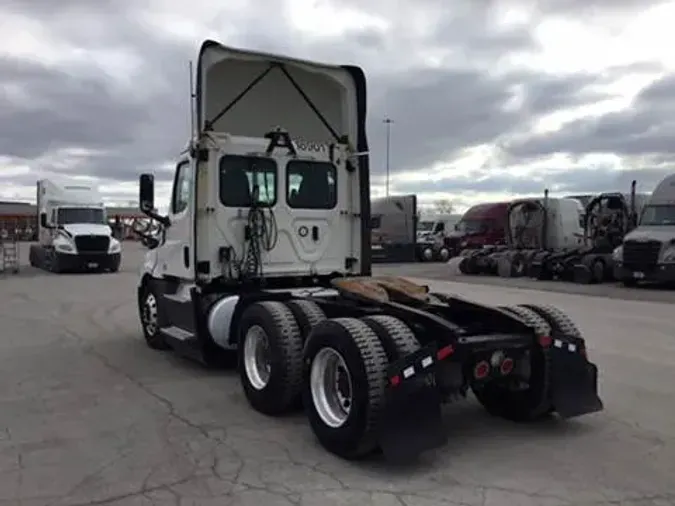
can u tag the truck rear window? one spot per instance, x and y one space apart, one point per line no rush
239 175
311 185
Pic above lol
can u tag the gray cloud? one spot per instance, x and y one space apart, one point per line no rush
438 112
558 181
443 112
646 128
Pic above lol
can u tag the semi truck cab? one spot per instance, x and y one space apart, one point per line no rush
73 232
648 252
482 225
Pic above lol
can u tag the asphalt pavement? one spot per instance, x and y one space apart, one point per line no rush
90 416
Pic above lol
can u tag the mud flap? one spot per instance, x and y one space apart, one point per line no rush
411 422
583 274
574 380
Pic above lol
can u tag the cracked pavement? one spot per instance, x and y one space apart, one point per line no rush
90 416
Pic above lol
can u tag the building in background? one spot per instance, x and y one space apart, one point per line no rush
18 220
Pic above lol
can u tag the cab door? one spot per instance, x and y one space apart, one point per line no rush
176 255
317 236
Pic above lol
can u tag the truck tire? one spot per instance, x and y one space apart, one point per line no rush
148 309
532 402
345 385
307 314
598 270
427 254
396 337
270 357
511 265
556 318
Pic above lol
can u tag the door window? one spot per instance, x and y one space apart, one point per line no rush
181 188
244 177
311 185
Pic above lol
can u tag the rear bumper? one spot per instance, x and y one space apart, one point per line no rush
412 421
661 273
89 261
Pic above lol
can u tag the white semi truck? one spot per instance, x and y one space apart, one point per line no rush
265 252
73 231
433 230
648 251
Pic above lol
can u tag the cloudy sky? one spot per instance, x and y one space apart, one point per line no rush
490 98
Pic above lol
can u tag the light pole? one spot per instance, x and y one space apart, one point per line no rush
388 122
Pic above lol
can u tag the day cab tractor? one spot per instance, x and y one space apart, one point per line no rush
434 236
479 234
543 233
608 218
265 253
647 254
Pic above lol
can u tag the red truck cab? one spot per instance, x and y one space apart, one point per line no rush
482 225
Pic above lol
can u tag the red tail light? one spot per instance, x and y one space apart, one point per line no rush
444 352
545 341
481 370
506 367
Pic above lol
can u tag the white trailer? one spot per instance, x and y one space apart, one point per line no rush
73 232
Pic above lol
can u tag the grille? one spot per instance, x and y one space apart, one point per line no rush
92 243
641 254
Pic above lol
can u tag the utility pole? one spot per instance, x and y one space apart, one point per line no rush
388 122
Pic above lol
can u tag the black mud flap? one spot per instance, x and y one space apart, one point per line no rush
411 422
574 380
582 274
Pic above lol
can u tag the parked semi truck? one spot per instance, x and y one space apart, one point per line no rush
433 236
648 251
73 234
393 223
280 274
481 225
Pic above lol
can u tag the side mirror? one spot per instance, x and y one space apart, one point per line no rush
146 197
43 220
457 227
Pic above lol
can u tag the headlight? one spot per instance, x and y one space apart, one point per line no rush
669 255
115 246
64 247
617 254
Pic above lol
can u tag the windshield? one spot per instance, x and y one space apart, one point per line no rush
72 215
425 226
479 226
658 216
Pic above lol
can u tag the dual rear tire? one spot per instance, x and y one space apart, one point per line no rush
534 401
337 369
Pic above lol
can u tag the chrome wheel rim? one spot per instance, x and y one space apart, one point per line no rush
150 314
444 254
256 357
428 254
331 387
